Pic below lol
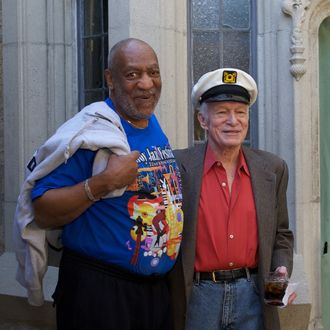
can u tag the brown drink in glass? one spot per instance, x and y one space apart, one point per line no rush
275 286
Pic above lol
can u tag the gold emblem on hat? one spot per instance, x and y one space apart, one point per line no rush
229 77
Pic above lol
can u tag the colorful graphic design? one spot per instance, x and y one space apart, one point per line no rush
156 208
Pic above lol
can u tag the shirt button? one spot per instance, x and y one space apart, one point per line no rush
223 184
231 236
231 264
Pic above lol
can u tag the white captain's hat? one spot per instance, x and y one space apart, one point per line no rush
225 84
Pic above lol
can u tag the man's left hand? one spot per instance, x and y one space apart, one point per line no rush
283 271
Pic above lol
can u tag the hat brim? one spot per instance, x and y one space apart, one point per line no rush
227 97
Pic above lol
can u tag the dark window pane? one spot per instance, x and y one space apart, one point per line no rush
236 14
94 96
92 15
206 14
105 16
236 50
105 51
105 94
93 49
206 52
93 63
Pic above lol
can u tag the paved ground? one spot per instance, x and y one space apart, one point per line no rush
17 314
19 326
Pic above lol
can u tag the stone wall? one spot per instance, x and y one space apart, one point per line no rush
1 143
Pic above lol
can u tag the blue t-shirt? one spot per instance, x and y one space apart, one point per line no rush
141 230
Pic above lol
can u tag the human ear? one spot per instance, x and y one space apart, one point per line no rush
202 120
108 78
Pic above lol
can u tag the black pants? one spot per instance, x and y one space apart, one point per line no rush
91 295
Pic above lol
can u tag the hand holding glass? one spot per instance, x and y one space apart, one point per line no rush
275 286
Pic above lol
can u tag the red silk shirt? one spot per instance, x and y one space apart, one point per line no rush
227 233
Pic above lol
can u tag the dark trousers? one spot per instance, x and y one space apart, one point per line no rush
94 295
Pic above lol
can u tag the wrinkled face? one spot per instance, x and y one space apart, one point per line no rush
225 122
134 81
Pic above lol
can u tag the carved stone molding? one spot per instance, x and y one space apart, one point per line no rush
297 10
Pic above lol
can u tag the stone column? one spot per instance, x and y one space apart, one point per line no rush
40 88
275 83
163 24
278 110
2 235
306 17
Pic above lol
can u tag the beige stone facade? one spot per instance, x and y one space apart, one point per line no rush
1 142
40 72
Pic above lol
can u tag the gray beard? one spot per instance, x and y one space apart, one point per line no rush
128 108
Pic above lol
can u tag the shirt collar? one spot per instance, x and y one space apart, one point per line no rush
210 160
242 163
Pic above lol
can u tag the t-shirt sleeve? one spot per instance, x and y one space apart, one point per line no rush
77 168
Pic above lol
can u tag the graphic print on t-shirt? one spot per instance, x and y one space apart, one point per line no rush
156 207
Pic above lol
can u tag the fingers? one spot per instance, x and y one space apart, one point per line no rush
292 297
121 170
132 156
282 270
135 154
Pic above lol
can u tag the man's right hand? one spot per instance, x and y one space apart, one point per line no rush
121 171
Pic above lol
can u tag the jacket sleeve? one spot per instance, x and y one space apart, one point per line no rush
283 245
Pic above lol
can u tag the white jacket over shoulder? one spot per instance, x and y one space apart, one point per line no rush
94 127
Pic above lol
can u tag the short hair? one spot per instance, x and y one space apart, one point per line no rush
202 108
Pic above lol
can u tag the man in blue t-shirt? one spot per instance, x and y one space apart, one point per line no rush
117 247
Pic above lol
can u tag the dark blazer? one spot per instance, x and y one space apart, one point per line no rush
269 175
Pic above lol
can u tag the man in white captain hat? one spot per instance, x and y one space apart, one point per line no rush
237 227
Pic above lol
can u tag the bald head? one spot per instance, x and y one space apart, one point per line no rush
123 45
